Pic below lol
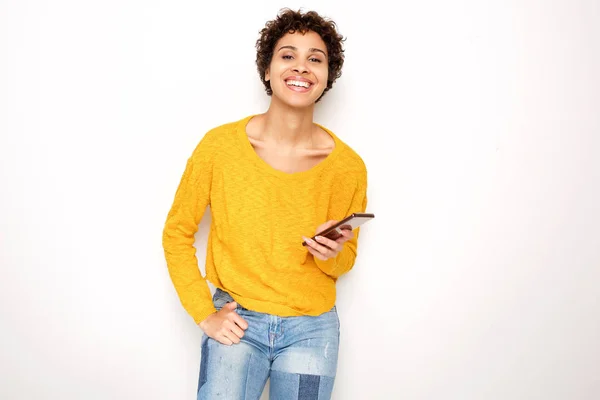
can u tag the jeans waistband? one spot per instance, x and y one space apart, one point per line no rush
222 295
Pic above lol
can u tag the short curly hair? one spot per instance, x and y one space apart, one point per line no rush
289 21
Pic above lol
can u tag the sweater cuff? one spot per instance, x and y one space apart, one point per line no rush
327 266
203 313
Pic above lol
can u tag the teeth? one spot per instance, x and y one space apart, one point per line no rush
298 83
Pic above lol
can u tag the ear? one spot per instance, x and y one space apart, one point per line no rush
267 75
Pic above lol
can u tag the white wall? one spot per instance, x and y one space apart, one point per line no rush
479 123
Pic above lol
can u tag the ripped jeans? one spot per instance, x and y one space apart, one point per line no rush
299 354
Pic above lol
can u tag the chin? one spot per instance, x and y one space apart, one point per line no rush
300 104
297 101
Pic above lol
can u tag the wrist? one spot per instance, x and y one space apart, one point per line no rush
202 324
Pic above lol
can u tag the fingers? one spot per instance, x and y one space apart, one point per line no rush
316 254
237 331
322 250
325 246
227 338
232 336
346 235
239 321
229 333
224 340
233 316
332 244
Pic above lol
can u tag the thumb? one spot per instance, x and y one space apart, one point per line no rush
232 305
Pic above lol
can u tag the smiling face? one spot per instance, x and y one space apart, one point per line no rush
298 70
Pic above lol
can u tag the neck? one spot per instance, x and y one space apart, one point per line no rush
288 125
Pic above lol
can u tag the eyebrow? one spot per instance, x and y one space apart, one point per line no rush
312 49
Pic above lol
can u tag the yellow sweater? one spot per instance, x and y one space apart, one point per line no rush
259 215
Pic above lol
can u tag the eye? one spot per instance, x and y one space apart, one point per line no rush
314 59
287 57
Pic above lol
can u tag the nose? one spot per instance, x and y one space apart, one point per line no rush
301 68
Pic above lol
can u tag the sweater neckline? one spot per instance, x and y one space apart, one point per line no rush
248 149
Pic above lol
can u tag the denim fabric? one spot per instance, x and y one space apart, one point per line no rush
299 354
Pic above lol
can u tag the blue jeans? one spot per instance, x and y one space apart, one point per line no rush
299 354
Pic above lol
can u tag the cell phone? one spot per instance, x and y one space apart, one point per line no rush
351 222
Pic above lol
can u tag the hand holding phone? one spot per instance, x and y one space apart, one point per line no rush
351 222
329 241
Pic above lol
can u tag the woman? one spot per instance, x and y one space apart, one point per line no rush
270 180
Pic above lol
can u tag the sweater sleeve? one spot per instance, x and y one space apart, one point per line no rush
344 261
191 199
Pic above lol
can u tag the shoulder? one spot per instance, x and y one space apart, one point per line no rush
219 139
347 167
348 158
352 157
223 133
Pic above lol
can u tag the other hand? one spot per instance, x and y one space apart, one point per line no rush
225 326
